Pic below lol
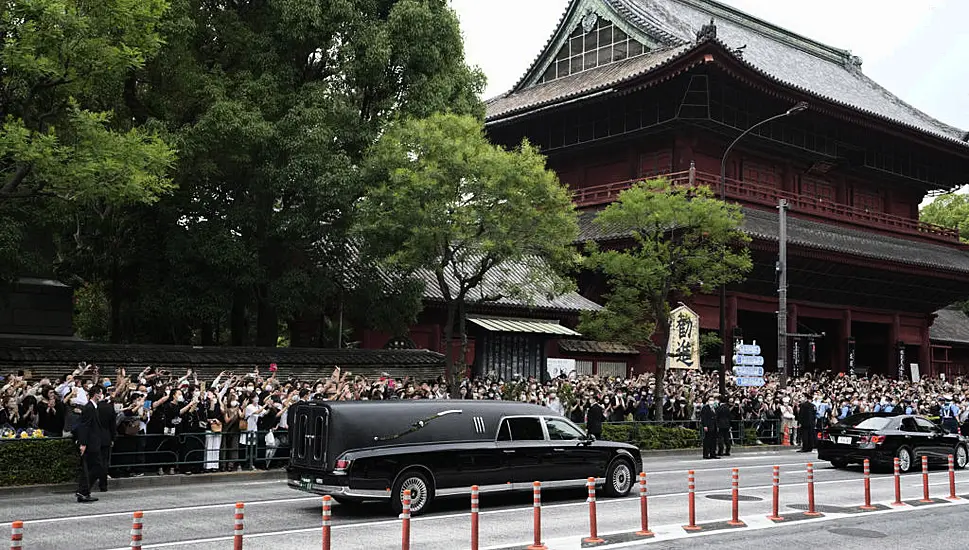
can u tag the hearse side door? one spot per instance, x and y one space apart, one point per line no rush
522 441
477 461
570 456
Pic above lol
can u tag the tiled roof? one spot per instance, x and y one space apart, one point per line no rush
598 348
517 289
763 225
951 325
524 326
829 73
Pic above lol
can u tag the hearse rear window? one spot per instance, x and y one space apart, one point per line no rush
521 429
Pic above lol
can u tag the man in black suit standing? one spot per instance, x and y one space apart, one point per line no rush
708 420
88 432
595 417
109 430
807 424
723 430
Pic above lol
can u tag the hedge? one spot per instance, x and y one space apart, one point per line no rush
651 436
37 461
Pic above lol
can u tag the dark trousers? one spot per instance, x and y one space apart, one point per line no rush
723 440
88 471
710 442
808 435
104 458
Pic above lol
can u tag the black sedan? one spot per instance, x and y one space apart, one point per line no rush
882 437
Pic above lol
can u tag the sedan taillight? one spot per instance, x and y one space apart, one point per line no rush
342 464
824 436
877 439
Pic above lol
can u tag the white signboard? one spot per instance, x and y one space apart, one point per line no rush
748 360
748 349
748 371
684 342
916 375
558 367
750 381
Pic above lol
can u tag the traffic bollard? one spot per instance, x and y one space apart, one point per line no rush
17 535
898 484
137 524
691 485
867 505
237 538
643 507
474 517
593 528
925 480
811 512
537 510
326 521
405 521
775 490
735 498
952 479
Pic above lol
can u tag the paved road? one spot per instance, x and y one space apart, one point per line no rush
200 517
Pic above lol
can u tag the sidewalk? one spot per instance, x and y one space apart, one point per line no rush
698 452
148 481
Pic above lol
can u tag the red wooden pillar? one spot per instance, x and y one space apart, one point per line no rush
894 335
842 347
926 368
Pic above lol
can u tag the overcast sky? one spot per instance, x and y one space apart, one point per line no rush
917 49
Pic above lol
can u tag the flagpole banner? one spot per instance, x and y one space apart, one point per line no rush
684 341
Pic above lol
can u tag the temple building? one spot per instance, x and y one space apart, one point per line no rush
633 89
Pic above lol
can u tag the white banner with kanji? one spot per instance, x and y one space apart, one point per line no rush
684 342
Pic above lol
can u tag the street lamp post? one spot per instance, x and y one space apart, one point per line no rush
726 356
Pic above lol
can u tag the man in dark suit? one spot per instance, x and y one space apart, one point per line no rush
807 424
88 433
708 420
109 430
595 417
723 430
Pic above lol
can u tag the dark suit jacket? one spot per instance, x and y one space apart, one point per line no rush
723 417
807 415
88 430
595 417
708 417
109 423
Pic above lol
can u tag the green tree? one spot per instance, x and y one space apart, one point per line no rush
683 240
273 106
449 204
65 63
949 210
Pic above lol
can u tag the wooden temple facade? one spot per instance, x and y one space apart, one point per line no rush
633 89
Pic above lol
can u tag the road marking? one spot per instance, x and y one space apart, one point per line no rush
727 469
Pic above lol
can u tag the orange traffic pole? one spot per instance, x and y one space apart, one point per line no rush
867 505
898 484
735 498
775 490
593 527
405 521
326 522
691 485
237 538
474 517
952 479
16 535
537 510
810 489
643 507
925 480
136 527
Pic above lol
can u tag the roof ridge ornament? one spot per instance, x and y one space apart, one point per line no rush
708 31
853 63
589 21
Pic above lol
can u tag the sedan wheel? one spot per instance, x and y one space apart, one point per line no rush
619 478
420 489
904 456
961 456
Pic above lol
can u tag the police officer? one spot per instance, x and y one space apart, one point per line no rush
949 412
88 434
708 420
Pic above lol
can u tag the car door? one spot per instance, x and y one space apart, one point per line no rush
934 439
913 437
521 440
572 457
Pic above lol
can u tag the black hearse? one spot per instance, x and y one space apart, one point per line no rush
373 450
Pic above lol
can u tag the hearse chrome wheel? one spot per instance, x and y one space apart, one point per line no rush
962 456
619 478
419 492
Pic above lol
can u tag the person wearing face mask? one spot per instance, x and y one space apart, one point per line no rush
708 422
109 429
213 436
230 432
253 411
723 429
51 414
88 432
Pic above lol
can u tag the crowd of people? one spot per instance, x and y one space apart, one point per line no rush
156 421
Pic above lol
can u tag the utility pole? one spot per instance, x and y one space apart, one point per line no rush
782 295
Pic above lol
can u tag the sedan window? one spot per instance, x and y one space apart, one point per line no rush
863 422
925 425
560 430
909 425
521 429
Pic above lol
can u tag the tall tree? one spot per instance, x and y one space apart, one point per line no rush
949 210
683 240
448 203
273 105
